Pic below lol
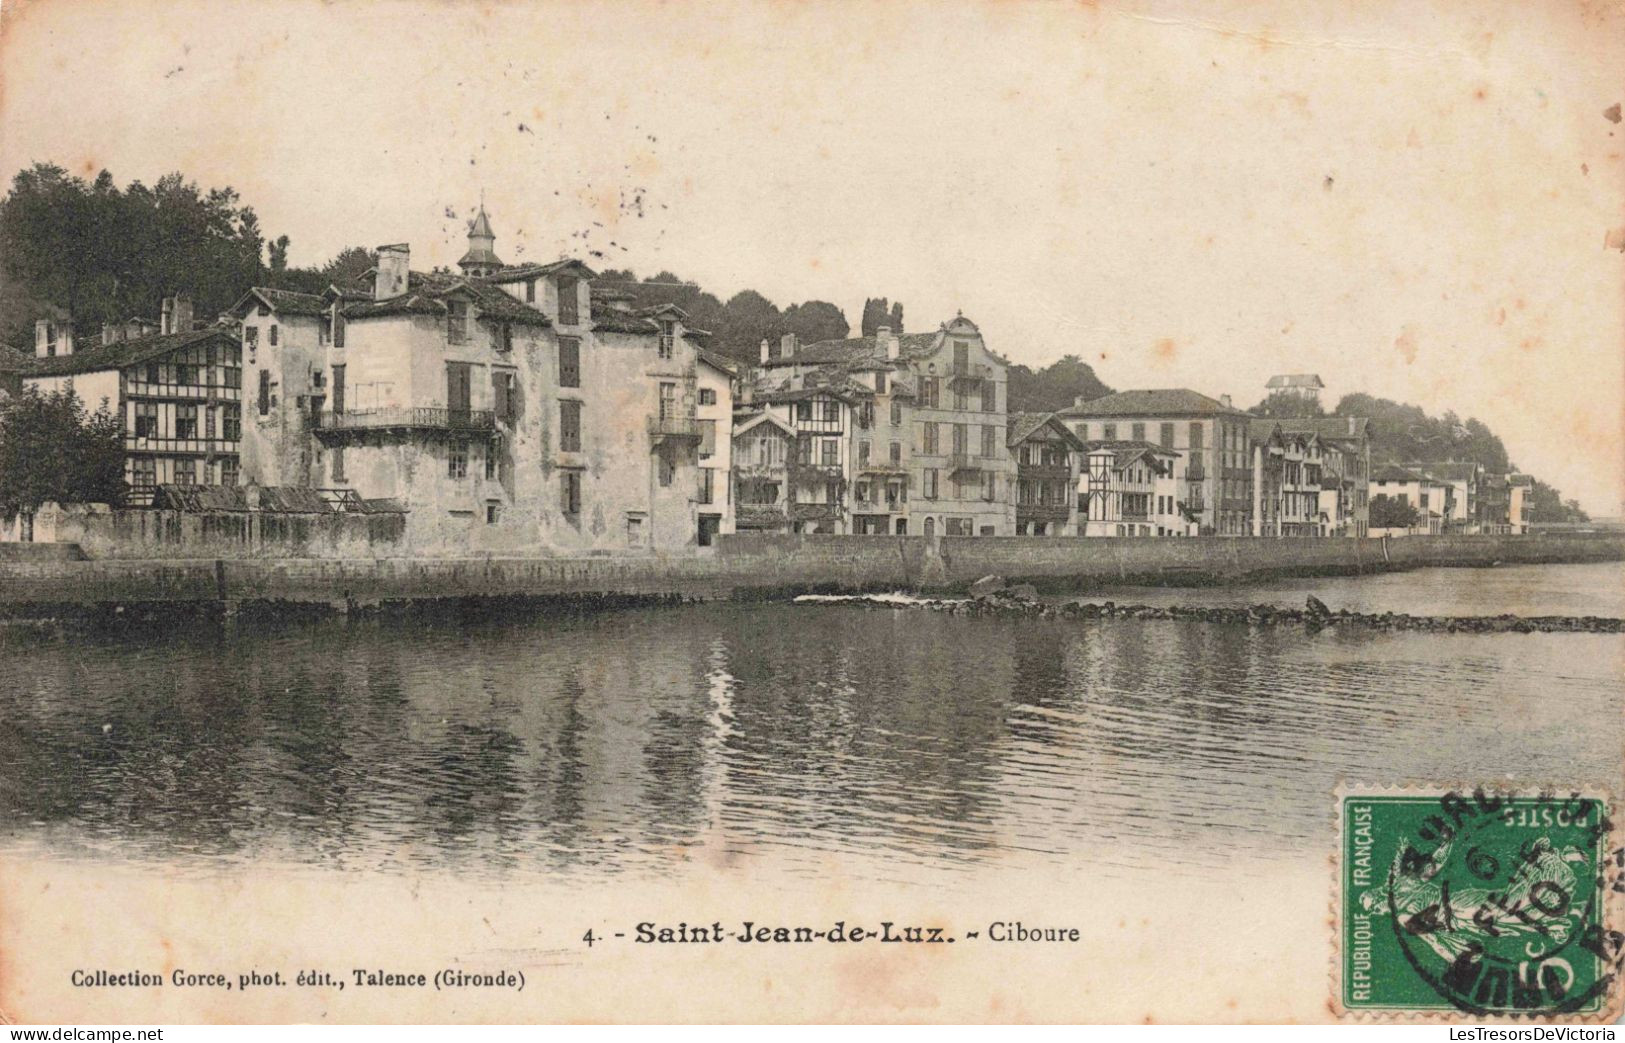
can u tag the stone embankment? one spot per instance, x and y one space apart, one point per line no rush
999 601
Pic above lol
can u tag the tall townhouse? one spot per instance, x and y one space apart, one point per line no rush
1118 491
500 406
1287 481
1520 493
1463 478
1048 456
940 426
818 466
1209 436
1431 501
178 391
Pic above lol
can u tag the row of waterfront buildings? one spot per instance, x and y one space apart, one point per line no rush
524 408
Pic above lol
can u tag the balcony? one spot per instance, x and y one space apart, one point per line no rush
963 462
760 516
882 467
820 472
814 512
407 418
1045 472
674 428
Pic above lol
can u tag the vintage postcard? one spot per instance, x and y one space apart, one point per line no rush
537 511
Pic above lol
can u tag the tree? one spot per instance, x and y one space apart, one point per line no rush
1285 405
1391 512
51 448
878 312
1056 386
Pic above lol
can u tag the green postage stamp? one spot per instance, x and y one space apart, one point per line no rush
1477 904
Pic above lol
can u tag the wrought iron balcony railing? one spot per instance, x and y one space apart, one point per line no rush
407 417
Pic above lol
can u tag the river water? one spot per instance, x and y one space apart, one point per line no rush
900 743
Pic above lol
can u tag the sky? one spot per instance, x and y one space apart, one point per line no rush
1412 199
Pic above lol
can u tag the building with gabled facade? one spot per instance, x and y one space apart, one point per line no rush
938 430
1209 436
1346 455
762 446
504 407
1048 456
1431 502
716 380
178 392
1463 478
1287 481
1306 386
818 469
1118 489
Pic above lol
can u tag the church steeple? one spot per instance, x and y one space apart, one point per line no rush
481 258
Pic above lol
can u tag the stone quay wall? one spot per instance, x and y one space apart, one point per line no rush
766 566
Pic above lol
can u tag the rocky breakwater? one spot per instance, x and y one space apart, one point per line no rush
990 596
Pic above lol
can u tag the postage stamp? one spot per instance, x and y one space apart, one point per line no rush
1477 903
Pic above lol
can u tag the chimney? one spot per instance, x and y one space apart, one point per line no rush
43 335
110 333
883 335
1351 425
1080 400
787 346
394 262
1225 400
765 347
175 315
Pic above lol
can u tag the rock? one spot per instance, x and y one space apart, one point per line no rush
1022 592
1317 607
987 586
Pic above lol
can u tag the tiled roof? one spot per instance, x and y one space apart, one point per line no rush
121 353
273 499
1450 471
722 362
426 294
1330 428
1295 380
854 352
1152 402
11 361
514 272
1522 480
1393 473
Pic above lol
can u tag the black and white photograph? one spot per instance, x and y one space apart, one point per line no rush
549 512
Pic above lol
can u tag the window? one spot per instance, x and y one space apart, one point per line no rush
570 493
930 491
706 485
1137 432
273 333
208 422
929 392
146 420
990 397
265 391
708 396
896 413
337 458
668 469
989 485
863 454
990 441
569 303
668 338
960 400
143 471
459 391
493 510
492 456
708 438
929 441
1082 431
961 356
569 362
959 527
530 291
185 374
228 470
804 450
457 459
829 452
1167 436
961 440
570 427
804 411
152 372
832 411
186 421
505 337
880 382
185 471
251 336
231 421
1108 432
1196 434
896 455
